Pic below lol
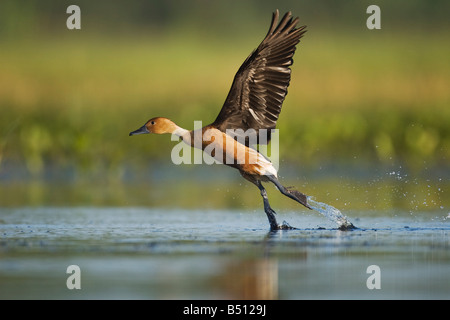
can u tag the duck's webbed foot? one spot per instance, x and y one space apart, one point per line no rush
273 221
286 226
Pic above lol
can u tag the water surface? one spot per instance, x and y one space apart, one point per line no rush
142 253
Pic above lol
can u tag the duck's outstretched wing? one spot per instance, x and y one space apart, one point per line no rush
260 85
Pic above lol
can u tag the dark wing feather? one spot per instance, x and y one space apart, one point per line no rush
260 85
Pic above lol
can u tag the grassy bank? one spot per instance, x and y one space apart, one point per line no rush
73 101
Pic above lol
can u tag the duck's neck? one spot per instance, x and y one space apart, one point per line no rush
183 134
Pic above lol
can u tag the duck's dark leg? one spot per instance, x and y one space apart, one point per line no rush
269 211
291 193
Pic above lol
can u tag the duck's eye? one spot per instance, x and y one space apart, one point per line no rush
153 122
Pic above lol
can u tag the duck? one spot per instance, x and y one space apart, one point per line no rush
249 114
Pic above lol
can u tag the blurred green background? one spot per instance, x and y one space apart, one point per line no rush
366 123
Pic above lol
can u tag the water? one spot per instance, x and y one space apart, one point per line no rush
331 213
141 253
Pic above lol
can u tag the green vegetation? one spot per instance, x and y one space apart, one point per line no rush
68 99
74 103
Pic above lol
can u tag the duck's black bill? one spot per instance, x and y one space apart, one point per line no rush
141 130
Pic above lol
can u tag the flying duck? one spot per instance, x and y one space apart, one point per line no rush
250 113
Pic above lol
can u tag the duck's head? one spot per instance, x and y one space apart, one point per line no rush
156 125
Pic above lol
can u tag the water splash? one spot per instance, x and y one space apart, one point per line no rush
331 213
